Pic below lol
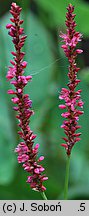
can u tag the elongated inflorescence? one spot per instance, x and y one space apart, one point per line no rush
71 97
27 153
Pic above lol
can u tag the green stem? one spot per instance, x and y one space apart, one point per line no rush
43 196
67 178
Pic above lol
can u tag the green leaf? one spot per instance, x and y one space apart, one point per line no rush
85 75
7 145
80 191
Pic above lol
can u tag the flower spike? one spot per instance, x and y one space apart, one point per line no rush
22 105
71 97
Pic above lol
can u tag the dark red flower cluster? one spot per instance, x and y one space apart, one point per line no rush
71 97
26 152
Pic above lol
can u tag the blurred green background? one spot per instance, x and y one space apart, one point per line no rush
43 21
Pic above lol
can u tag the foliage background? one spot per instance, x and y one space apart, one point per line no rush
43 20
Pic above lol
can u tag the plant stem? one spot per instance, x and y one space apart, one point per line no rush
67 178
43 196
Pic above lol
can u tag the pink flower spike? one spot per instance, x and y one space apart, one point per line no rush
71 97
27 152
